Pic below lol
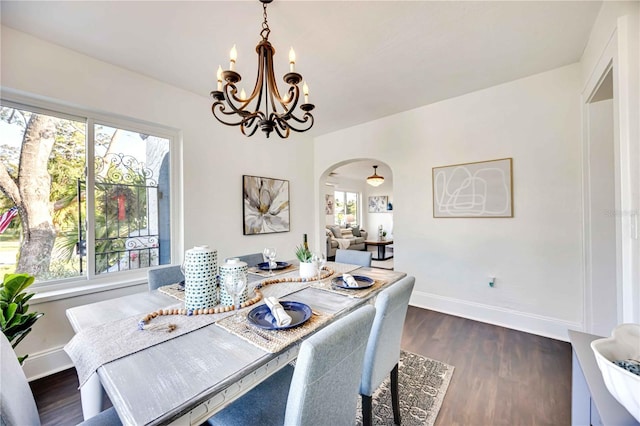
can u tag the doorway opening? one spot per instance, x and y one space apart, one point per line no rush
603 290
357 211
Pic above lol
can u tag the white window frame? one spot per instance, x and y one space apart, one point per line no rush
89 282
358 200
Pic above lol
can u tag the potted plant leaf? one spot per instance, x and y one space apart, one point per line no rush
15 320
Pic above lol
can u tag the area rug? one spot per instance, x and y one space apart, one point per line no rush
422 384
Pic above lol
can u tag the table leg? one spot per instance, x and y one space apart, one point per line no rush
381 252
91 395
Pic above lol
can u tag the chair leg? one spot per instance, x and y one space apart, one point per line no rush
366 410
395 400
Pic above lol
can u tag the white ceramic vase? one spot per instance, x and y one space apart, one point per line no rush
308 270
200 284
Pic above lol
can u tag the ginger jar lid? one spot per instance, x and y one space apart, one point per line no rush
234 262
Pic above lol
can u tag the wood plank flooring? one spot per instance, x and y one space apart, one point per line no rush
502 376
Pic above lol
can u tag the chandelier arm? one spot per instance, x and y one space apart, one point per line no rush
307 118
257 89
281 125
247 126
221 109
230 91
272 87
294 92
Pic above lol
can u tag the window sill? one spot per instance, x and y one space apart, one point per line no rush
58 292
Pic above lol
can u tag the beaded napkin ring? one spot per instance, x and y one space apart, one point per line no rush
142 324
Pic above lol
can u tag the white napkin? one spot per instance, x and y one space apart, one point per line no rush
349 280
278 312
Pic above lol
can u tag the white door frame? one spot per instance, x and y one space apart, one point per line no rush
621 56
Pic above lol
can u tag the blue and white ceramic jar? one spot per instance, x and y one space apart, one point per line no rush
234 269
200 284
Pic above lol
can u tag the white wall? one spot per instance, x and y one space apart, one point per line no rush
535 256
214 159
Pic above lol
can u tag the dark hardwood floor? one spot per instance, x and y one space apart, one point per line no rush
501 377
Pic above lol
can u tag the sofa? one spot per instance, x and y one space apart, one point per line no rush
344 238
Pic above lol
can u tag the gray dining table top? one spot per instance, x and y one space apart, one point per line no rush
171 381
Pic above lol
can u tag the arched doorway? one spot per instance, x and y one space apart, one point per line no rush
348 202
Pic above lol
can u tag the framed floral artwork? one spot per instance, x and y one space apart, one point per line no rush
378 204
265 205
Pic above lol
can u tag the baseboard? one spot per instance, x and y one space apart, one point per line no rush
522 321
45 363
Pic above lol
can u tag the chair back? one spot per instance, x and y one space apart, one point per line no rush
164 275
383 348
354 257
17 406
251 259
324 387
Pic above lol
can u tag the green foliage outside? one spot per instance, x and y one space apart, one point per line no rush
15 319
66 166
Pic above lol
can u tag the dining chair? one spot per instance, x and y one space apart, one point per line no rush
17 405
251 259
383 349
164 275
321 389
354 257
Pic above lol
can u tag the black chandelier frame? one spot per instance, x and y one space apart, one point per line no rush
228 104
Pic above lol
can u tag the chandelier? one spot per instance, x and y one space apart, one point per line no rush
375 179
278 112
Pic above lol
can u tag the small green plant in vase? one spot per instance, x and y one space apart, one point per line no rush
307 267
303 254
15 320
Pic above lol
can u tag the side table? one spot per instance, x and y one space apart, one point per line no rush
381 244
591 402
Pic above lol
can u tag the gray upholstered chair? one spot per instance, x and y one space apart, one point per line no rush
321 390
17 406
164 275
354 257
251 259
383 349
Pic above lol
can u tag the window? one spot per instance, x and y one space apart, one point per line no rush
74 220
347 208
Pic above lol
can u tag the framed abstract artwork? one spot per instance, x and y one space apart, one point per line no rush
378 204
480 189
265 205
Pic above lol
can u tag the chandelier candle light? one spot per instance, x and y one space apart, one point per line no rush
235 109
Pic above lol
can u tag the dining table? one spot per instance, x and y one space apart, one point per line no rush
153 376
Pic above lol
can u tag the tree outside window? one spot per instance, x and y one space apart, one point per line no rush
43 174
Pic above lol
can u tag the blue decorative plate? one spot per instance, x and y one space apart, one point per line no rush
363 282
264 266
260 316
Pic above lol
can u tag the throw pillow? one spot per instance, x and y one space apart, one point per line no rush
356 232
335 230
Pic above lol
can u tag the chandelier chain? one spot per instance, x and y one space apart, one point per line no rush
265 26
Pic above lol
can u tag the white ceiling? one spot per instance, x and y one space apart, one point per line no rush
363 60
